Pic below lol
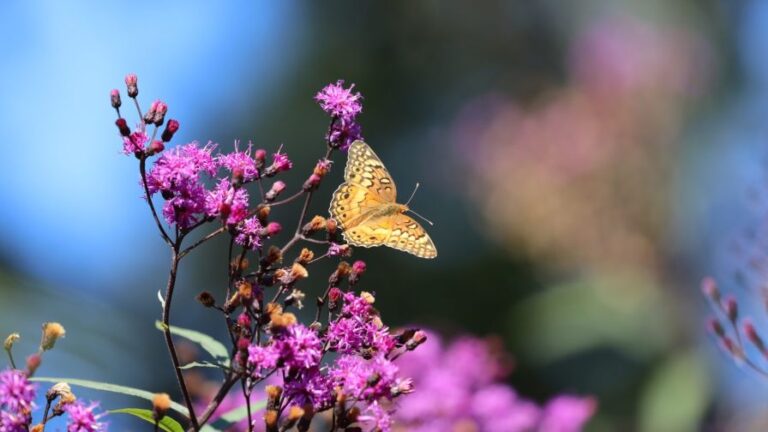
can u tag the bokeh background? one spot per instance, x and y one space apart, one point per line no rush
585 163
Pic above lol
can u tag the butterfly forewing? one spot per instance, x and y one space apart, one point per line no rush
366 169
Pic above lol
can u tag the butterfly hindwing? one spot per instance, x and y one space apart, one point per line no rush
350 203
408 235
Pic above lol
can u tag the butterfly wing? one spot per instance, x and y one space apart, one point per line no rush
351 204
409 236
366 169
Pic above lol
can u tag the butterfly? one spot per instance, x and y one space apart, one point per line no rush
365 207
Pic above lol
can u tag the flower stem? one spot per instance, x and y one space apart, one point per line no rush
167 332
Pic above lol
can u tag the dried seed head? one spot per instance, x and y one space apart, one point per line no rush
10 340
316 224
344 269
368 297
270 420
245 289
206 299
274 393
294 414
274 254
298 271
52 331
296 297
161 402
305 256
331 226
58 389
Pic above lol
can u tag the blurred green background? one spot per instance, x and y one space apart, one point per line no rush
585 164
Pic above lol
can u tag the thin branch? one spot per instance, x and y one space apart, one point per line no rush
169 339
143 171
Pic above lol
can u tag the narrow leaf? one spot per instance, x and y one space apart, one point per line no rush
167 423
202 364
130 391
211 345
233 416
162 300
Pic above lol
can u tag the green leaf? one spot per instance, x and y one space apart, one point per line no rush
237 414
130 391
167 423
202 364
214 347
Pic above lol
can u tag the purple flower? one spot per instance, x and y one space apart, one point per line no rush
82 418
280 162
16 392
458 384
340 102
567 413
248 233
358 329
310 387
15 421
262 357
377 417
228 202
366 379
135 142
344 132
176 175
299 347
240 162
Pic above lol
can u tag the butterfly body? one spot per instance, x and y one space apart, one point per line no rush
365 207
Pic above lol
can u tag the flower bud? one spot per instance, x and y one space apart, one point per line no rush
131 83
122 126
358 268
260 156
170 129
262 213
33 362
418 338
160 110
715 327
156 147
751 333
244 320
709 288
731 309
52 331
275 190
312 182
273 228
322 168
161 403
114 97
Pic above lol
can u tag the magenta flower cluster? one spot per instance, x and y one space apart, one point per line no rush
343 105
17 395
459 386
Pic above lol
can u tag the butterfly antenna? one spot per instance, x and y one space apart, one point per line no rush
422 217
412 194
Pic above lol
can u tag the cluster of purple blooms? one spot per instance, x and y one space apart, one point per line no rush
17 397
459 387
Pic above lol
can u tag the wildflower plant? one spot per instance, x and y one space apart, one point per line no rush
340 362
